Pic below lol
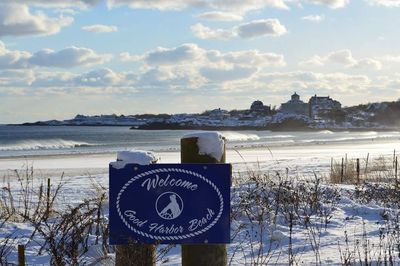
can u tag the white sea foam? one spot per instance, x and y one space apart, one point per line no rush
278 137
344 139
235 136
45 144
369 133
325 132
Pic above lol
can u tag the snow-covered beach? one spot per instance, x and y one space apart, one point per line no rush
296 156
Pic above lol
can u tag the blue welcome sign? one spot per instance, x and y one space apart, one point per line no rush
169 203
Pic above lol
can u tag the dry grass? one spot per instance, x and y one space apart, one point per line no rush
360 170
65 234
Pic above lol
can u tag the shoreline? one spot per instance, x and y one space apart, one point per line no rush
303 159
273 128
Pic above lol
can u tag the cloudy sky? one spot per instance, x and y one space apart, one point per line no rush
58 59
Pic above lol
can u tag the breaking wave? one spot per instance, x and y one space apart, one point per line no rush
325 132
45 144
235 136
278 137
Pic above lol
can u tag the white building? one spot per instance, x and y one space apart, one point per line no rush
319 105
294 106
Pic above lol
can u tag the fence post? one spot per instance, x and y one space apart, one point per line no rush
202 254
48 197
342 171
21 255
135 254
395 170
358 171
366 167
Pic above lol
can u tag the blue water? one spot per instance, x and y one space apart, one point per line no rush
47 140
44 140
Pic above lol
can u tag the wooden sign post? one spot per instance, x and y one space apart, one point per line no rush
170 204
133 254
201 254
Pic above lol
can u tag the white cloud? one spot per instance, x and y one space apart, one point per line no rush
384 3
68 57
264 27
314 61
16 20
189 66
169 56
181 68
204 33
249 30
16 77
368 63
53 79
246 58
237 6
170 78
248 5
103 77
334 82
314 18
214 74
334 4
194 56
12 59
56 3
219 16
343 58
127 57
99 28
390 58
100 77
153 4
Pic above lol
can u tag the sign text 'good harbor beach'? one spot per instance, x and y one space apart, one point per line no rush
170 203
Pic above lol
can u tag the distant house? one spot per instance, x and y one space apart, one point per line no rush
320 105
217 113
259 107
294 106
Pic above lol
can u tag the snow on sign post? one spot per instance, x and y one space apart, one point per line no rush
170 203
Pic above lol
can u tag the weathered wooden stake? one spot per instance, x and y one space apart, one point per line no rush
366 167
48 197
135 254
21 255
358 171
394 157
395 170
201 254
331 168
342 171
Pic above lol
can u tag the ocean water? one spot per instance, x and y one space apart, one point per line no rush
94 147
64 140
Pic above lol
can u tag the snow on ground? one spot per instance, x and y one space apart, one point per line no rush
357 229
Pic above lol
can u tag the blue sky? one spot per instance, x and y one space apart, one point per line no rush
59 59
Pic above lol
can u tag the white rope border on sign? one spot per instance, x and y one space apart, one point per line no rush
157 237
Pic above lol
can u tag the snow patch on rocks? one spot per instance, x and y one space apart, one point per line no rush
210 143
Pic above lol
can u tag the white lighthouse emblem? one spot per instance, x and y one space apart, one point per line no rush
169 205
